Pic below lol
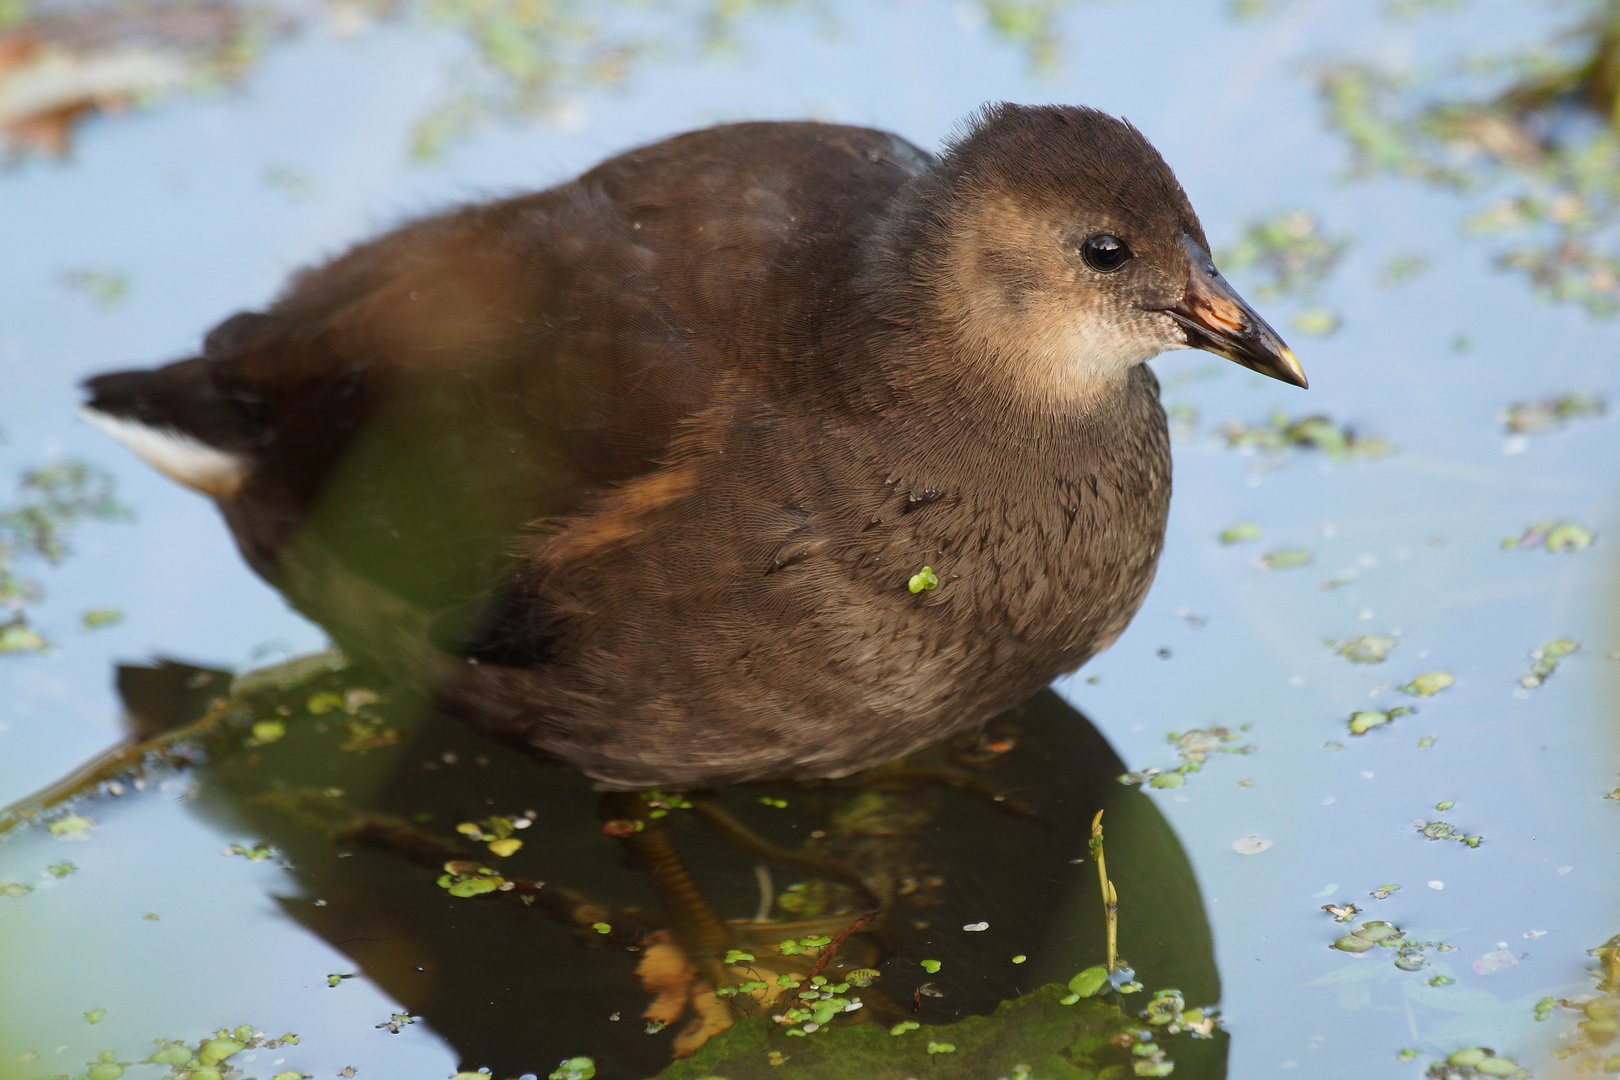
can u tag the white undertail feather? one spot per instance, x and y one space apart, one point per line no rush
175 454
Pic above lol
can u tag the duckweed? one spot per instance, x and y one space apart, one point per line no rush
1089 982
256 853
1550 414
1428 684
1317 321
923 580
1364 649
99 618
1367 936
1552 536
71 827
1398 269
465 878
1481 1060
216 1050
930 966
264 732
1546 660
1290 250
1365 720
1439 830
1241 533
1286 559
575 1068
1314 432
1193 748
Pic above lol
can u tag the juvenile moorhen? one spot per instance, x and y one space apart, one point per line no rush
643 472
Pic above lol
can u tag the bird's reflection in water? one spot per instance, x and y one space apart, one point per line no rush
516 986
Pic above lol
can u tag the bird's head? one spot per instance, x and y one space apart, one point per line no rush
1066 253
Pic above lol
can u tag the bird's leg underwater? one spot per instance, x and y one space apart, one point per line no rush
644 832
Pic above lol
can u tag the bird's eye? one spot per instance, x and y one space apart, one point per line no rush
1105 253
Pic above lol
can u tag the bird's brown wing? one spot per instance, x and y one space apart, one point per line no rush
413 404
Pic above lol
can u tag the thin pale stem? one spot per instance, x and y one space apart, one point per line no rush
1110 897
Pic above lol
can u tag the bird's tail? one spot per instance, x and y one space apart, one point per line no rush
176 419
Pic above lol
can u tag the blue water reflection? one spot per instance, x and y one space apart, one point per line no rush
177 198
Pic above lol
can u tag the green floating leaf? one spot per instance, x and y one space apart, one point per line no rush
1318 432
1550 414
19 637
1440 830
1365 649
1241 533
97 618
71 827
1286 559
923 580
1552 536
1366 719
1546 660
1428 684
1088 982
1485 1062
1318 322
1289 250
575 1068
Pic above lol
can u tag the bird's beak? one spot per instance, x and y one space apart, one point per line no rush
1216 319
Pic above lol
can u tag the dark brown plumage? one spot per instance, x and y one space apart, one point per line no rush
652 456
